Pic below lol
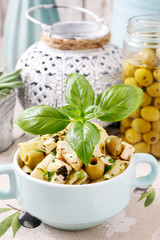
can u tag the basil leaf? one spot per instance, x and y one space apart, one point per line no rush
15 224
41 119
93 112
5 224
83 138
78 91
150 196
5 209
72 111
119 101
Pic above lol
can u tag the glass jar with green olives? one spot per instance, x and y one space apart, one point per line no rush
141 67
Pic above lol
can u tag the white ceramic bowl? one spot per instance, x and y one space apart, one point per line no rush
74 207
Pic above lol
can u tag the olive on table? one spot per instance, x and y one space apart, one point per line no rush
140 125
113 145
95 168
132 136
151 137
143 77
150 113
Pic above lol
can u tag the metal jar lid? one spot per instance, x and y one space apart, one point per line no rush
73 30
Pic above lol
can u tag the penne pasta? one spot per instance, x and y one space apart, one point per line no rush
50 158
32 158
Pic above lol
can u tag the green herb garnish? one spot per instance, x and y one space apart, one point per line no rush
39 150
9 81
109 167
48 175
73 171
80 175
54 152
114 104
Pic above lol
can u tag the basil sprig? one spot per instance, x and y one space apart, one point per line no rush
114 104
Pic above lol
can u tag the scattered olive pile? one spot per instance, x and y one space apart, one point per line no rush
142 128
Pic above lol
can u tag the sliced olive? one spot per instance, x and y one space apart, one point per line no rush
95 168
113 145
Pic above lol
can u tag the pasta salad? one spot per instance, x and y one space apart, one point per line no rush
50 158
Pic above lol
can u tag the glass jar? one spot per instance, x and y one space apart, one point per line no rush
141 67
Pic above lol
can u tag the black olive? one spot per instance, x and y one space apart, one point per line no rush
28 221
62 171
56 138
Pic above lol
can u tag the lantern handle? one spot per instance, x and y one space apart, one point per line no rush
45 6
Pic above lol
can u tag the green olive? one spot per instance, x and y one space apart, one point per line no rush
156 74
155 150
113 145
146 100
151 137
156 126
142 147
154 89
140 125
143 77
131 81
128 69
148 57
95 168
132 136
135 114
150 113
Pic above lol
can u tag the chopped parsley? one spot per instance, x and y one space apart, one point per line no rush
109 167
111 160
40 150
54 152
48 175
73 171
80 175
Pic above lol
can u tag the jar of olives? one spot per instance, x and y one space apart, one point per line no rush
141 67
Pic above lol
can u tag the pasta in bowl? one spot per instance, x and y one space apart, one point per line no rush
74 176
51 158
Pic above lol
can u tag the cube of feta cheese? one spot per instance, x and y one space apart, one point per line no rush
73 160
127 151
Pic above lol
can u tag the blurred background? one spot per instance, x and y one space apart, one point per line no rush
103 8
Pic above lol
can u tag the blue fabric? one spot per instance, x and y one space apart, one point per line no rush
19 32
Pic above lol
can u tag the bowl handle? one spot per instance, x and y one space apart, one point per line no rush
11 192
151 176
